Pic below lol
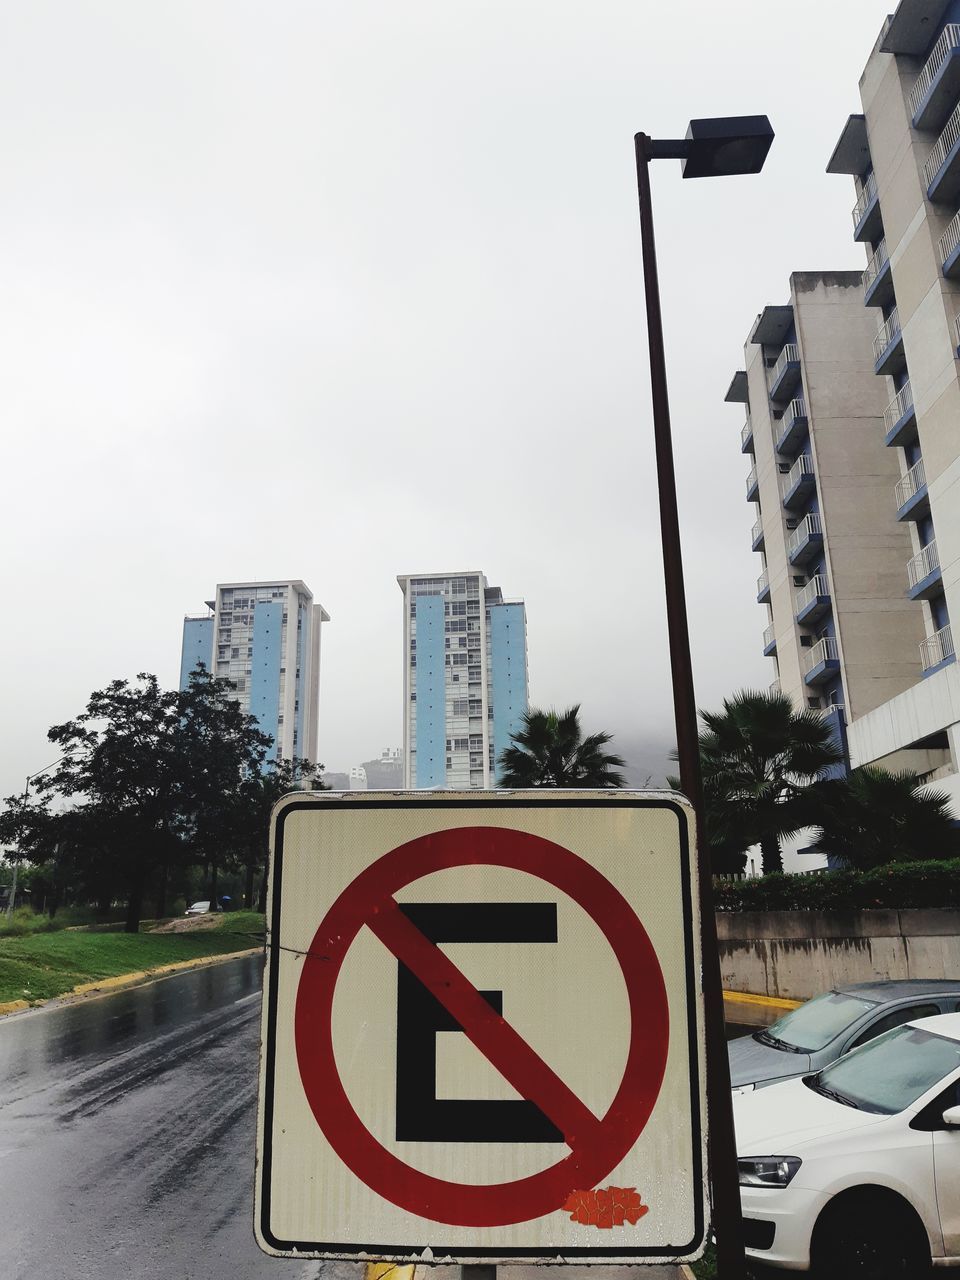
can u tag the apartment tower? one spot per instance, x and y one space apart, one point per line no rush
265 638
465 683
841 631
903 153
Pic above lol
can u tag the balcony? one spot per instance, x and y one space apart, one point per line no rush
937 651
877 278
936 87
752 485
786 373
769 642
866 212
822 662
910 494
793 427
900 418
923 573
746 437
950 249
763 588
756 537
813 601
888 354
798 484
941 169
834 709
774 688
806 540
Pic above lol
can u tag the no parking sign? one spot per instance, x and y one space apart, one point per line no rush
481 1029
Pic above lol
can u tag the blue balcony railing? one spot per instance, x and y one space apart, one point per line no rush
786 373
935 89
793 427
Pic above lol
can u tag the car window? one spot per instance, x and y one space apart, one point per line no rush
889 1073
819 1021
895 1018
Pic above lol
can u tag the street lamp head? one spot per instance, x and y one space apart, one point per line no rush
726 145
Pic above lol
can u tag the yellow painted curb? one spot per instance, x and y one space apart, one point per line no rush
686 1272
106 985
771 1002
379 1270
140 975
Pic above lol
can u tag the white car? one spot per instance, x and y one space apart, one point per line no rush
197 909
855 1169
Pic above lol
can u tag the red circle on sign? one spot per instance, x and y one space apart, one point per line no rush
593 1158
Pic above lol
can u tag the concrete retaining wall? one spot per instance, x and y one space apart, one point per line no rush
798 954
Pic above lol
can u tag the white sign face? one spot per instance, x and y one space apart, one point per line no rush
482 1033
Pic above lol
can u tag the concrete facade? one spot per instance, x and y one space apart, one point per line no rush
841 632
795 955
903 153
465 685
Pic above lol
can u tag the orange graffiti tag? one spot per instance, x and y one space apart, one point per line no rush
608 1207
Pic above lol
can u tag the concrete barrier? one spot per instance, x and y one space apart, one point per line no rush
794 955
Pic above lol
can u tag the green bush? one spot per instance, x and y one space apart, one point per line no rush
901 884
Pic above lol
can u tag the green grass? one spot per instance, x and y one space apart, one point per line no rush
706 1268
37 966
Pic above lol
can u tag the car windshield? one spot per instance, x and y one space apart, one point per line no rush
889 1073
817 1022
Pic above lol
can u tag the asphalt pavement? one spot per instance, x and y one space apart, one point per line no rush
126 1140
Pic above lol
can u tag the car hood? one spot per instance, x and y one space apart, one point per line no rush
786 1117
751 1062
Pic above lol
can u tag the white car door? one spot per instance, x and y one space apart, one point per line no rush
946 1167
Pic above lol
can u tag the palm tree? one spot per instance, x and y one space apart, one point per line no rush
758 756
549 750
874 817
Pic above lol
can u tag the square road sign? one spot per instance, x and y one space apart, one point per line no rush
482 1035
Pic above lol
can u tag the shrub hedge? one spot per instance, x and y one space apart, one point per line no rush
900 884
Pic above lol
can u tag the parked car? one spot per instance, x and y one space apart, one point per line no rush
855 1169
825 1028
197 909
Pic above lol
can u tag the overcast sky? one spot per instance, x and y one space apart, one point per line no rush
340 290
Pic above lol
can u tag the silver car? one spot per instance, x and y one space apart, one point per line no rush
825 1028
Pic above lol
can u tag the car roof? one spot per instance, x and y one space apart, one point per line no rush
900 988
942 1024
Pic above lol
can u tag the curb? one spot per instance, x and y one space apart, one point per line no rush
107 986
770 1002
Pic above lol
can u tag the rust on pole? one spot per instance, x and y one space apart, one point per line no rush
724 1182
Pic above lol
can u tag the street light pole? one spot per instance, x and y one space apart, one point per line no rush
711 147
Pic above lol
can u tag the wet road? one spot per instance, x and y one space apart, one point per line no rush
126 1136
127 1127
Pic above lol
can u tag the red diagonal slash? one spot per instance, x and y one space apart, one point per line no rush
492 1034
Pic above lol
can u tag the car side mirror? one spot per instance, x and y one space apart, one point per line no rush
951 1117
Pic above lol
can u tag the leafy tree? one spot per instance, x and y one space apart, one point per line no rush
726 831
258 794
124 766
549 750
224 751
874 817
156 774
759 757
28 829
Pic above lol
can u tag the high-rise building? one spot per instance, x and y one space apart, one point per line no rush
841 630
265 638
465 684
903 153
